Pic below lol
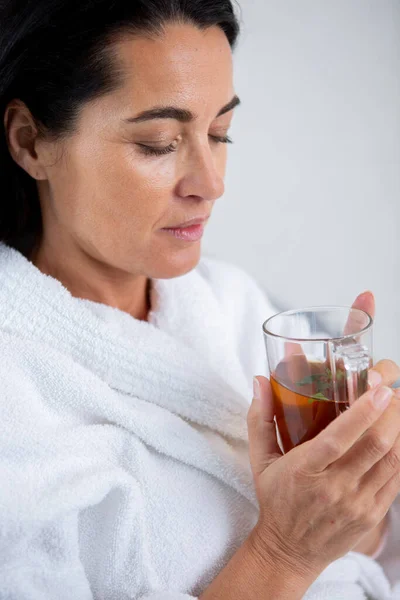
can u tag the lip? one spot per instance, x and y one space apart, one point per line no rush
193 233
196 221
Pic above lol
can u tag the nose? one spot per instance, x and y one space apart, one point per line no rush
204 177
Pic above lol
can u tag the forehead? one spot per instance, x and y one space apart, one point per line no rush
184 66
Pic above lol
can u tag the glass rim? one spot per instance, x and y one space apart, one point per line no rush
317 309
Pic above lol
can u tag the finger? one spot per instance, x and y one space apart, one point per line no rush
293 348
366 302
374 379
386 370
388 494
292 370
263 443
294 367
357 320
340 435
377 477
365 460
317 425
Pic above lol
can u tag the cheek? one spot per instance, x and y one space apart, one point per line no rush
127 192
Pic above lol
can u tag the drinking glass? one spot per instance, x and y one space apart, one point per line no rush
318 360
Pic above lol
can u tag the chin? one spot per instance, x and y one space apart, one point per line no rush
177 264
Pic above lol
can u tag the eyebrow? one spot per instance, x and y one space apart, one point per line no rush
178 114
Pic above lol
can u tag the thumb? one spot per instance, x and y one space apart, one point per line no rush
263 442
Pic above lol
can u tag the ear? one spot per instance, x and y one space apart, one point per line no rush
22 137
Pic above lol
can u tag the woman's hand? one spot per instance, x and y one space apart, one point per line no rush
322 498
385 372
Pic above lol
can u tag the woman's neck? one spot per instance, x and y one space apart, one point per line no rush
88 279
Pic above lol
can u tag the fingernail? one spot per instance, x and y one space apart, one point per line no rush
374 378
256 389
382 397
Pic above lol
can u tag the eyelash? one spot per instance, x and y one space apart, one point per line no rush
149 151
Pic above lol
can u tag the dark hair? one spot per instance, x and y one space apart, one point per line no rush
55 56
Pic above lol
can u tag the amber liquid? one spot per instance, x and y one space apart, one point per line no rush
299 416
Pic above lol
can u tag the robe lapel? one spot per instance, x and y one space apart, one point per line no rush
182 361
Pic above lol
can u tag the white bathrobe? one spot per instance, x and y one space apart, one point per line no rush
124 469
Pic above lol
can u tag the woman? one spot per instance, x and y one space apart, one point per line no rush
127 359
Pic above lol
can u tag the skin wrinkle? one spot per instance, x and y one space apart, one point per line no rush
104 201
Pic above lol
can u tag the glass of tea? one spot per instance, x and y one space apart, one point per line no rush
318 360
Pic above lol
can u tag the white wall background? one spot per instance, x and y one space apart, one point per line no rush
312 202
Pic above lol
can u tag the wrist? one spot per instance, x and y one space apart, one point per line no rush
288 578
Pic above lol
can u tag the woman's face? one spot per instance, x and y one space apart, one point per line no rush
124 177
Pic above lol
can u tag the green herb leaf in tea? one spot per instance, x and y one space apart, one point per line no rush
309 379
319 396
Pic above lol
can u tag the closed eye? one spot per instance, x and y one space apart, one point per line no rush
152 151
221 139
